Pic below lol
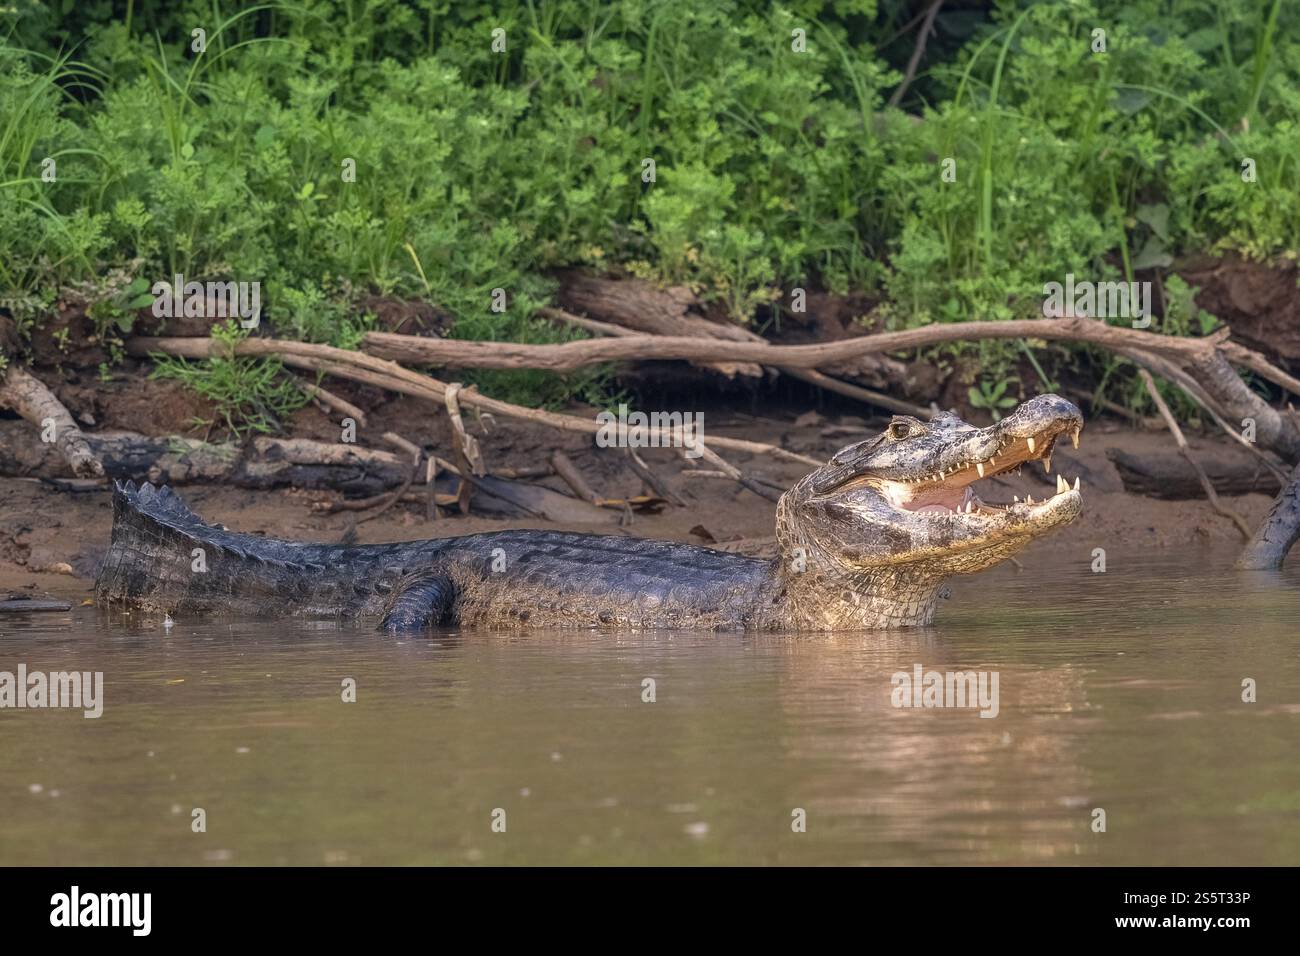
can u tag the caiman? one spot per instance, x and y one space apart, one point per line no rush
866 541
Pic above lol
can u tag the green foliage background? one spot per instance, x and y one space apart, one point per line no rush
477 170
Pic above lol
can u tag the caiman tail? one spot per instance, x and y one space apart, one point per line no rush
163 557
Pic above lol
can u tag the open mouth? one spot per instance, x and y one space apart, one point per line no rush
952 490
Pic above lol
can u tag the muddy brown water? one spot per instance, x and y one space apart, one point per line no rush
1119 691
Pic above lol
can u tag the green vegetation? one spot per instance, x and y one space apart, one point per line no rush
477 170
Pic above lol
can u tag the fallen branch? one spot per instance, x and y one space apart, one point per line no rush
568 356
811 376
28 396
372 370
525 471
384 502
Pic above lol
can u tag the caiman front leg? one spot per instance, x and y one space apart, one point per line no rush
420 604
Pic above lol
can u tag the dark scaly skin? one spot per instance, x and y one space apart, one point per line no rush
851 555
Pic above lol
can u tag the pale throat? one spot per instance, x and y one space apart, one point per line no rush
827 596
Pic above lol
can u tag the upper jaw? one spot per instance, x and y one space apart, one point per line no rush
1030 433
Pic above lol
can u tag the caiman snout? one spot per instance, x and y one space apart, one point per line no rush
911 491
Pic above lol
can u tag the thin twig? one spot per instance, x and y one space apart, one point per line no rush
332 401
652 481
1177 432
917 51
1193 390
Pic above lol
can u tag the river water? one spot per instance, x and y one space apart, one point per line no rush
1118 692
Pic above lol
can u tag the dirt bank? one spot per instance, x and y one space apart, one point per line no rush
52 540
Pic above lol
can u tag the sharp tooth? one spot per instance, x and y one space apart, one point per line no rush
1015 499
1030 442
1029 499
1061 484
1076 483
979 467
1047 464
1074 437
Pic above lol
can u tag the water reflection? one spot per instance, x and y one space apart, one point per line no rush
1119 691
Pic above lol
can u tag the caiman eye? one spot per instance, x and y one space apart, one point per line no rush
899 430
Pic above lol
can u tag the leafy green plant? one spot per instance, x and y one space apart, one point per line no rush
332 148
248 394
992 396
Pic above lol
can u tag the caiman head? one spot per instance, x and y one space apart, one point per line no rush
868 538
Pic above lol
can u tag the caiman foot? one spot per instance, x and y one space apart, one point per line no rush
423 603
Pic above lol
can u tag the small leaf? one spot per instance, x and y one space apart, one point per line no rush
1156 216
1152 255
187 151
1129 100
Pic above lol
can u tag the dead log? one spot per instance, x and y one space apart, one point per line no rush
645 307
28 396
302 463
1171 478
1193 390
1205 359
634 304
263 463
